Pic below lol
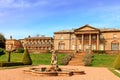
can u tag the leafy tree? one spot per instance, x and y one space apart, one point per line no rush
26 59
2 41
116 64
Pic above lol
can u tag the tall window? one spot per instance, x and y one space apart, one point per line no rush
86 37
61 46
80 37
94 37
114 46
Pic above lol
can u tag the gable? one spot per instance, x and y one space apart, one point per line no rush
87 28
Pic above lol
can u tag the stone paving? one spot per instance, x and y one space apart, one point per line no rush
92 73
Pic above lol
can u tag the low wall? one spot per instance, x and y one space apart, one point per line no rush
112 51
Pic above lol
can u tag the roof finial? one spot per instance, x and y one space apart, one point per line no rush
11 37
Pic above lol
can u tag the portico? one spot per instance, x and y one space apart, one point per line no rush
86 40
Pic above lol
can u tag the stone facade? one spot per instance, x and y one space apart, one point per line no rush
87 38
37 44
12 44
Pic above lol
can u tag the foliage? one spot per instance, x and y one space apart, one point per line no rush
26 59
7 64
20 50
2 51
98 51
65 60
88 59
103 60
116 63
2 41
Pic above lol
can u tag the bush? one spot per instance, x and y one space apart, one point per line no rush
26 59
66 59
116 63
7 64
20 50
99 51
88 59
2 51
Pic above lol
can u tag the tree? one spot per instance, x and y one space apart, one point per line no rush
2 41
26 59
116 64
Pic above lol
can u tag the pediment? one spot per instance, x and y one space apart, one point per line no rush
87 28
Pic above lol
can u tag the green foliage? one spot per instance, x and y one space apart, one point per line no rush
65 60
2 41
7 64
88 59
2 51
116 63
20 50
26 59
103 60
99 51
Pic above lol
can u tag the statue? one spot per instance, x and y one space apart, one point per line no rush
54 59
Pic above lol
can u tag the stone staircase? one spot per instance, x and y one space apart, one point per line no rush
77 60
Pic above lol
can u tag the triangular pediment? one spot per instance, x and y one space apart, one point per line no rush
87 28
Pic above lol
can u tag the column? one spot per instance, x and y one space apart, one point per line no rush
90 43
97 41
76 42
82 42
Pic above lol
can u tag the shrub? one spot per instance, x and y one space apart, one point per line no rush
2 51
26 59
116 63
88 59
99 51
66 59
7 64
20 50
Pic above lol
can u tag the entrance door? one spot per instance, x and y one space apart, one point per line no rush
86 47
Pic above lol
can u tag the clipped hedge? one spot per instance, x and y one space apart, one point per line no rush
65 60
7 64
99 51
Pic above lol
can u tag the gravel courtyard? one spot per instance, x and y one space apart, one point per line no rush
92 73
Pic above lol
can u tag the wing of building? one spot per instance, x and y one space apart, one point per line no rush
87 37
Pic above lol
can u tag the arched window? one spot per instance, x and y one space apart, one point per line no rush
114 45
61 46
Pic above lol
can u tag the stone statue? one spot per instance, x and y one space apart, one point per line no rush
54 59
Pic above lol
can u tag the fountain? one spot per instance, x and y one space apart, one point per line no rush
53 70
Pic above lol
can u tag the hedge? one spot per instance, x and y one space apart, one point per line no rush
7 64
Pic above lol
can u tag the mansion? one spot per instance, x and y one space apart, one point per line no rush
82 39
87 38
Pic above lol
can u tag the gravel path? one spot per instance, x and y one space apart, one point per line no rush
92 73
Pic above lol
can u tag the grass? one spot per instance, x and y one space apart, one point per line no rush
103 60
37 59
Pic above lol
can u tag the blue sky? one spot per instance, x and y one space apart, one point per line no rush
21 18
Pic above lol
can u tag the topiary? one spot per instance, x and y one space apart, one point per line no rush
26 59
116 63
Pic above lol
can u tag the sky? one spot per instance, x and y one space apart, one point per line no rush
21 18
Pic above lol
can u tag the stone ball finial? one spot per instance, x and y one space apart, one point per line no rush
11 37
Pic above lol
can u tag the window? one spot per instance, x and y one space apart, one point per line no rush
72 37
101 36
80 37
61 46
114 36
86 37
115 46
94 37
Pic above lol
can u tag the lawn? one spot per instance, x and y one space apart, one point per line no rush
103 60
36 58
